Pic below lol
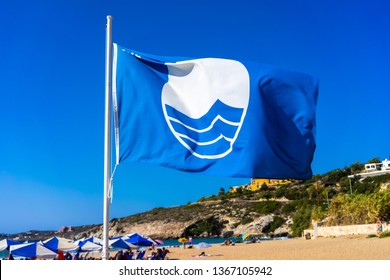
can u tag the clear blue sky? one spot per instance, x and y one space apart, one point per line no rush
52 93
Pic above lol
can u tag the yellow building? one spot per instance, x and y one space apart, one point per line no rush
256 183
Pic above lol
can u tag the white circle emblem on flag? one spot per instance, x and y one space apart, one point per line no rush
205 103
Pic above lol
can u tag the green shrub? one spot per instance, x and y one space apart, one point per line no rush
212 226
193 206
296 193
302 219
267 207
280 192
290 207
246 220
275 224
384 234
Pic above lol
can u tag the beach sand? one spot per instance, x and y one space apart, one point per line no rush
340 248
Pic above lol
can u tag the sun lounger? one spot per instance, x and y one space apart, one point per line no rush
140 255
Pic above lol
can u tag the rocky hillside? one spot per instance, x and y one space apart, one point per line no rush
201 219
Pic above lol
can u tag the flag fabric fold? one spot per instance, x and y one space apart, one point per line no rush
214 116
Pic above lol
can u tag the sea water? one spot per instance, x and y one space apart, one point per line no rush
3 254
214 240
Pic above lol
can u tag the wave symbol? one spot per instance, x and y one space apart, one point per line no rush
210 136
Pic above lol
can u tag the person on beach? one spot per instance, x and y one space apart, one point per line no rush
60 256
68 256
119 255
129 254
227 242
159 254
153 256
379 226
76 256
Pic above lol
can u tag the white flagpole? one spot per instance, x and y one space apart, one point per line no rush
107 140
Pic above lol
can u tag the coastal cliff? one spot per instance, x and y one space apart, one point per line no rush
207 219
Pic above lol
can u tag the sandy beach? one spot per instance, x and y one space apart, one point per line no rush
340 248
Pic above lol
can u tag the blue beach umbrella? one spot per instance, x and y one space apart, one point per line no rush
88 246
57 243
139 240
119 243
31 250
6 243
94 240
246 236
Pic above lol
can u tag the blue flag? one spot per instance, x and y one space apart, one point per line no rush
214 116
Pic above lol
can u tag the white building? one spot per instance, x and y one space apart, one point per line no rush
374 169
384 165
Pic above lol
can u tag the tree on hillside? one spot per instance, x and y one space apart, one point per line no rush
356 167
374 160
302 219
